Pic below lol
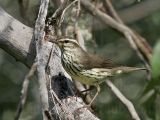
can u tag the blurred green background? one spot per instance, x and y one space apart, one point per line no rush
100 40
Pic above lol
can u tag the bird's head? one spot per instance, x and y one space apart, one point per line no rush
67 44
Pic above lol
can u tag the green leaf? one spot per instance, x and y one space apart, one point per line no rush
154 83
150 107
155 62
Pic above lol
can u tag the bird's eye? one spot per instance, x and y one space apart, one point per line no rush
66 41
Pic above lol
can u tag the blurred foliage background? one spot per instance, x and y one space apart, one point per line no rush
100 40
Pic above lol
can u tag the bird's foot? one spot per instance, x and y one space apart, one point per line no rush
88 107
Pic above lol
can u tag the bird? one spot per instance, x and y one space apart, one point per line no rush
87 68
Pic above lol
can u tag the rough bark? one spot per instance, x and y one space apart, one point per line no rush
16 39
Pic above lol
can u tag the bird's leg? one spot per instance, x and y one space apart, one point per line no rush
98 90
89 105
86 90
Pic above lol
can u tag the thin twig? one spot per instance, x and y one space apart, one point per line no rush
53 31
58 12
24 91
77 16
112 10
54 96
49 58
78 8
124 100
62 15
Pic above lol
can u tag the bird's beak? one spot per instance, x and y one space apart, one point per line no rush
57 43
54 41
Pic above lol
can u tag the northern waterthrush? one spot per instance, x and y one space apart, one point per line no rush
87 68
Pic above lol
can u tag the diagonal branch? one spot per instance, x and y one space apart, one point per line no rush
111 9
124 100
24 91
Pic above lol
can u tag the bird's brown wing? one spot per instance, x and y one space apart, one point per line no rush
90 61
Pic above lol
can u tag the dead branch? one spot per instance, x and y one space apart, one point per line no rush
16 39
124 100
111 9
40 59
24 91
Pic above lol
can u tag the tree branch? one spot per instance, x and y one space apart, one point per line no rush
16 39
124 100
24 91
41 59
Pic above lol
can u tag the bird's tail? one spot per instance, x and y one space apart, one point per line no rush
123 69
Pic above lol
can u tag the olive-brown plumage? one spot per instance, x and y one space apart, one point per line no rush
87 68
